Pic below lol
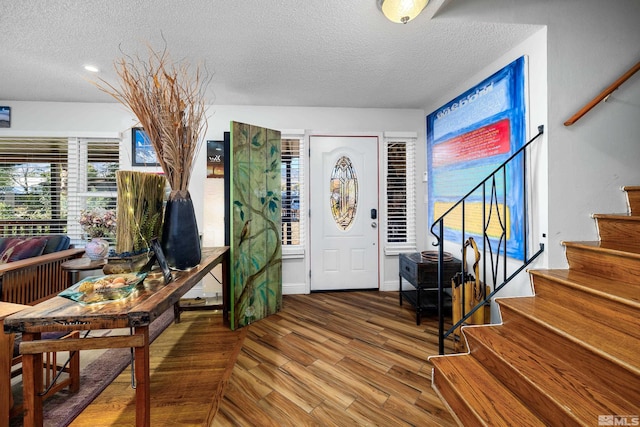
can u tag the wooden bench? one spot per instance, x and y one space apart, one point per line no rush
8 359
33 280
24 283
6 353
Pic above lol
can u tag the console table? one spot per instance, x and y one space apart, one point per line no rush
422 274
137 312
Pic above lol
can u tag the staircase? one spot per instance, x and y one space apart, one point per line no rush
568 356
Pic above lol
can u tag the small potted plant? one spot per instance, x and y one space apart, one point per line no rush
98 224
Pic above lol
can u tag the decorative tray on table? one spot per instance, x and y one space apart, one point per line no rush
99 289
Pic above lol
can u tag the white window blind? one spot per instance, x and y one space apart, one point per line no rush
400 195
33 186
292 191
45 183
92 179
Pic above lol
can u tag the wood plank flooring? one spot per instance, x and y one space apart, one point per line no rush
336 359
190 365
327 359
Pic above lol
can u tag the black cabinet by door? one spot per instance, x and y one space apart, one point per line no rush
422 274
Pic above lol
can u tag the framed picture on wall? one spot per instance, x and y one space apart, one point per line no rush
142 152
215 159
5 117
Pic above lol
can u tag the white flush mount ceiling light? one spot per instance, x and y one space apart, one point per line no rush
401 11
91 68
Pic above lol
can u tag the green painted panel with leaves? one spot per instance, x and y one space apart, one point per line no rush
256 241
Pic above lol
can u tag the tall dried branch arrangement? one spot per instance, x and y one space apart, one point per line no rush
168 98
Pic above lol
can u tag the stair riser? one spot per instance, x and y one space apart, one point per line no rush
618 230
603 264
613 376
598 309
567 355
538 401
458 405
633 197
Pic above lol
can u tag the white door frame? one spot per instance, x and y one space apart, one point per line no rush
382 211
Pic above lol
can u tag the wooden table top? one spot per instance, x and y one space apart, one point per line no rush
141 308
83 264
9 308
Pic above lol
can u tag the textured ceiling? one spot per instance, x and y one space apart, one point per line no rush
261 52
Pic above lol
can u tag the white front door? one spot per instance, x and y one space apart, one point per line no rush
344 212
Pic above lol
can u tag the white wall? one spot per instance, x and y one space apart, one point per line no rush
534 49
591 160
326 120
590 44
585 46
96 120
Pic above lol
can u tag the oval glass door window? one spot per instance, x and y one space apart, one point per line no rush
343 188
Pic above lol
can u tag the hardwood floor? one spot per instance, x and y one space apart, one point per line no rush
190 363
336 359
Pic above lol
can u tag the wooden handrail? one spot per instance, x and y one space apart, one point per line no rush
584 110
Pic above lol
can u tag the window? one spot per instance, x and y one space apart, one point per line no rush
33 186
343 193
92 179
45 183
400 192
292 191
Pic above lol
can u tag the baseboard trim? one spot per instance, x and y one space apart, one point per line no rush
294 289
389 286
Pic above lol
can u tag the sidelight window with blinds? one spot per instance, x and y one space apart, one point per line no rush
46 182
292 190
400 195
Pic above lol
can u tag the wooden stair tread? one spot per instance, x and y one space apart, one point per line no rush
549 375
626 249
590 306
570 352
495 405
617 216
609 343
621 292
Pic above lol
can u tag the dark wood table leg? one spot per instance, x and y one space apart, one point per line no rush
226 280
6 352
74 366
143 389
32 384
75 276
418 305
176 312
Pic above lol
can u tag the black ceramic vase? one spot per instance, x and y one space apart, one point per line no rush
180 238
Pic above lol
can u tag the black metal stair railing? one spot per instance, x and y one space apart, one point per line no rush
498 254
